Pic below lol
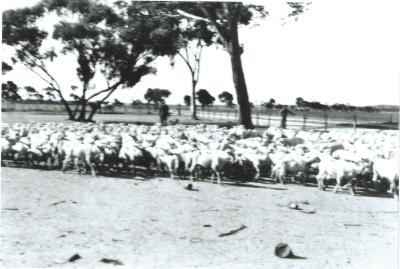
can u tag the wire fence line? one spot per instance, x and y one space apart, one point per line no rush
301 120
261 117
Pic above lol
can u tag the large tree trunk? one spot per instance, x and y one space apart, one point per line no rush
71 115
244 107
193 108
82 113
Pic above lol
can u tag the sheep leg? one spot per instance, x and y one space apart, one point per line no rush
49 163
212 176
257 168
89 163
76 164
65 165
337 187
219 176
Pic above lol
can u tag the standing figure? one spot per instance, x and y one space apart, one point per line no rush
164 114
284 113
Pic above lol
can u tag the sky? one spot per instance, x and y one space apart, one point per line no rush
336 52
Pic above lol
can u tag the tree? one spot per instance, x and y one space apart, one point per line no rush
270 104
117 102
227 98
186 100
205 98
9 91
137 102
5 67
156 96
225 18
119 42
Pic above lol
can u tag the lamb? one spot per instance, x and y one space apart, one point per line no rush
215 159
293 164
330 168
387 170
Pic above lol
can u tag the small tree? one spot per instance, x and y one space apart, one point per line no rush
136 102
187 100
205 98
270 104
5 67
117 102
227 98
156 96
9 91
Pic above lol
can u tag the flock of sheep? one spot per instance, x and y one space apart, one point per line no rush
346 156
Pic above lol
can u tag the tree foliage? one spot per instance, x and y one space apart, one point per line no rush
5 67
270 104
226 98
205 98
119 41
156 96
9 91
186 100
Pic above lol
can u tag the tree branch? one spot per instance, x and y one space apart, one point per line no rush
112 88
183 13
215 24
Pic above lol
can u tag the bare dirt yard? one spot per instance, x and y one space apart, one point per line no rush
47 217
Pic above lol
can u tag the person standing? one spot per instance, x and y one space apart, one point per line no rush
284 113
164 114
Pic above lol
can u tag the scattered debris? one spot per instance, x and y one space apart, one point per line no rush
204 210
115 262
56 203
351 225
196 240
74 257
309 211
189 186
117 240
207 225
11 208
283 250
63 235
233 231
293 205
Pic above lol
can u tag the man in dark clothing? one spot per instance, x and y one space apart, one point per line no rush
284 113
164 114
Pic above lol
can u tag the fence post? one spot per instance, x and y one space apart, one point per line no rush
326 121
390 118
304 121
258 117
355 121
269 119
179 110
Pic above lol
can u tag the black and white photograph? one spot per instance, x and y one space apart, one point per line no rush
200 134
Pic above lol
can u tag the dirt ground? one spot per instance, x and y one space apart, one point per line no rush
48 216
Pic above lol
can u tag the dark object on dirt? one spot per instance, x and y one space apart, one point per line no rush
75 257
294 206
56 203
309 211
207 225
11 209
351 225
283 250
115 262
196 240
189 187
233 231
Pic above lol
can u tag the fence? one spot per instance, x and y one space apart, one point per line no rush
301 120
304 120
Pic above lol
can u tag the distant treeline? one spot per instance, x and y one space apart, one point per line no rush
304 105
